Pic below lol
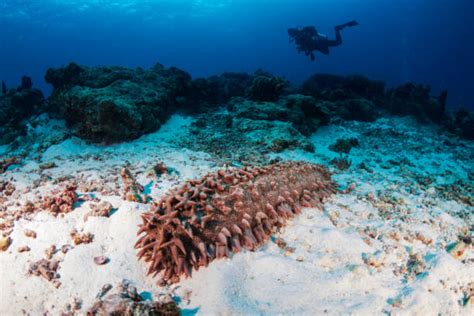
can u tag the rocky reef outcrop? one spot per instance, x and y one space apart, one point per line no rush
116 104
461 123
415 100
337 88
16 106
113 104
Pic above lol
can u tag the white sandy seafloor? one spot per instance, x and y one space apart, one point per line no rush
381 248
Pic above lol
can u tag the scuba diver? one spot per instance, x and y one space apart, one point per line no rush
308 39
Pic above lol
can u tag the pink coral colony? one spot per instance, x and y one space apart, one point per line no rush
223 212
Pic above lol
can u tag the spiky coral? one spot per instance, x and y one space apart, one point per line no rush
206 219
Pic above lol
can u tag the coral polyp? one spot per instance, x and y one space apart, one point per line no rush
224 212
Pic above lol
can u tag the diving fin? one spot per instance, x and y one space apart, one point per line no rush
352 23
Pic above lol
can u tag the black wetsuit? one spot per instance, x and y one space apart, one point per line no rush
308 39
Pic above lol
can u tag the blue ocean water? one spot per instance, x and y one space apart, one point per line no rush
424 41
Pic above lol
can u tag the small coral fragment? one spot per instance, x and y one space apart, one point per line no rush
209 218
63 202
81 238
45 268
102 209
132 190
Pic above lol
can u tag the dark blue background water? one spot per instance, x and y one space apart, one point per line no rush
426 41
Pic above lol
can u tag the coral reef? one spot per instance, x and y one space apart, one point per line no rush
415 100
113 104
305 113
207 219
356 109
262 126
266 87
243 140
16 106
128 302
460 122
337 88
217 90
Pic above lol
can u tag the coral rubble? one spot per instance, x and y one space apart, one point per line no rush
128 302
207 219
63 202
46 269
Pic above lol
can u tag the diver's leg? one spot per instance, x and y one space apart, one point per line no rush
338 41
351 23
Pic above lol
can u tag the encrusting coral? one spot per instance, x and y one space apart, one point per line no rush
223 212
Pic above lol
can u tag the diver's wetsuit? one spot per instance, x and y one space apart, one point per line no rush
308 39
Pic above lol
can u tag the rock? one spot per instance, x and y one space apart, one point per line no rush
23 249
47 165
30 233
5 242
100 260
114 104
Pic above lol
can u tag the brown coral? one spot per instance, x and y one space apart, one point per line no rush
132 190
63 202
224 212
46 269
